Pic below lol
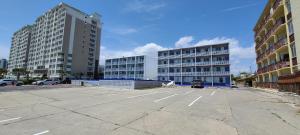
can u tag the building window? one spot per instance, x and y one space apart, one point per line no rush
293 49
291 27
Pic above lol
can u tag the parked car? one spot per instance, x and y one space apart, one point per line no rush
5 82
234 86
197 84
46 82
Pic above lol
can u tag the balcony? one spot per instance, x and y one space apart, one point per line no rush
221 73
115 63
175 74
282 64
130 68
163 65
203 53
139 76
188 73
203 63
139 69
203 74
220 62
175 56
163 57
140 61
175 65
188 64
122 62
163 74
188 55
131 62
277 3
114 69
123 69
280 43
220 52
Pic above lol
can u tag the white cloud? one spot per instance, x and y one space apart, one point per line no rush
4 51
144 6
184 41
239 7
149 49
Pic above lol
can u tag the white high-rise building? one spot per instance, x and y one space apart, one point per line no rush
64 40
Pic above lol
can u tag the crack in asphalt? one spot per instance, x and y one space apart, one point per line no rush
283 120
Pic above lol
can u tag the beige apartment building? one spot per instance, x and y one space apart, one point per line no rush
277 36
64 40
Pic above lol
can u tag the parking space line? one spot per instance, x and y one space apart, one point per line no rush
194 101
164 98
10 119
213 93
40 133
188 92
146 94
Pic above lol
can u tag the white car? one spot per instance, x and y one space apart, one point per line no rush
46 82
4 82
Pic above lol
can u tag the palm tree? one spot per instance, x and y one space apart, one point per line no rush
19 71
2 72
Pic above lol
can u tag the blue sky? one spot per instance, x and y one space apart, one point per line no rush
145 26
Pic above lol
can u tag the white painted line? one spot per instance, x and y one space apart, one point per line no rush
147 94
195 101
40 133
213 93
164 98
10 119
188 92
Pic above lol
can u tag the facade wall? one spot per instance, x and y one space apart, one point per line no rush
132 68
276 42
208 63
18 56
64 40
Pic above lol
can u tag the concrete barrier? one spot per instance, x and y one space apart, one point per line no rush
124 84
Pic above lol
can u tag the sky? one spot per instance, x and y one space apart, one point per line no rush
138 27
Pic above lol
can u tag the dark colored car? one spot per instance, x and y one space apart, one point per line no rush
197 84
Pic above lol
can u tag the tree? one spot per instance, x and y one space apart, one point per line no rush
2 72
63 74
18 72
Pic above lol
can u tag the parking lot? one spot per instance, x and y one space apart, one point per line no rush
160 111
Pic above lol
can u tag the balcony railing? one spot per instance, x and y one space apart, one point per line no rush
188 55
130 68
203 53
221 73
163 73
220 52
139 69
220 62
175 74
280 43
115 63
163 57
276 4
130 62
188 64
163 65
175 56
175 64
202 63
122 69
